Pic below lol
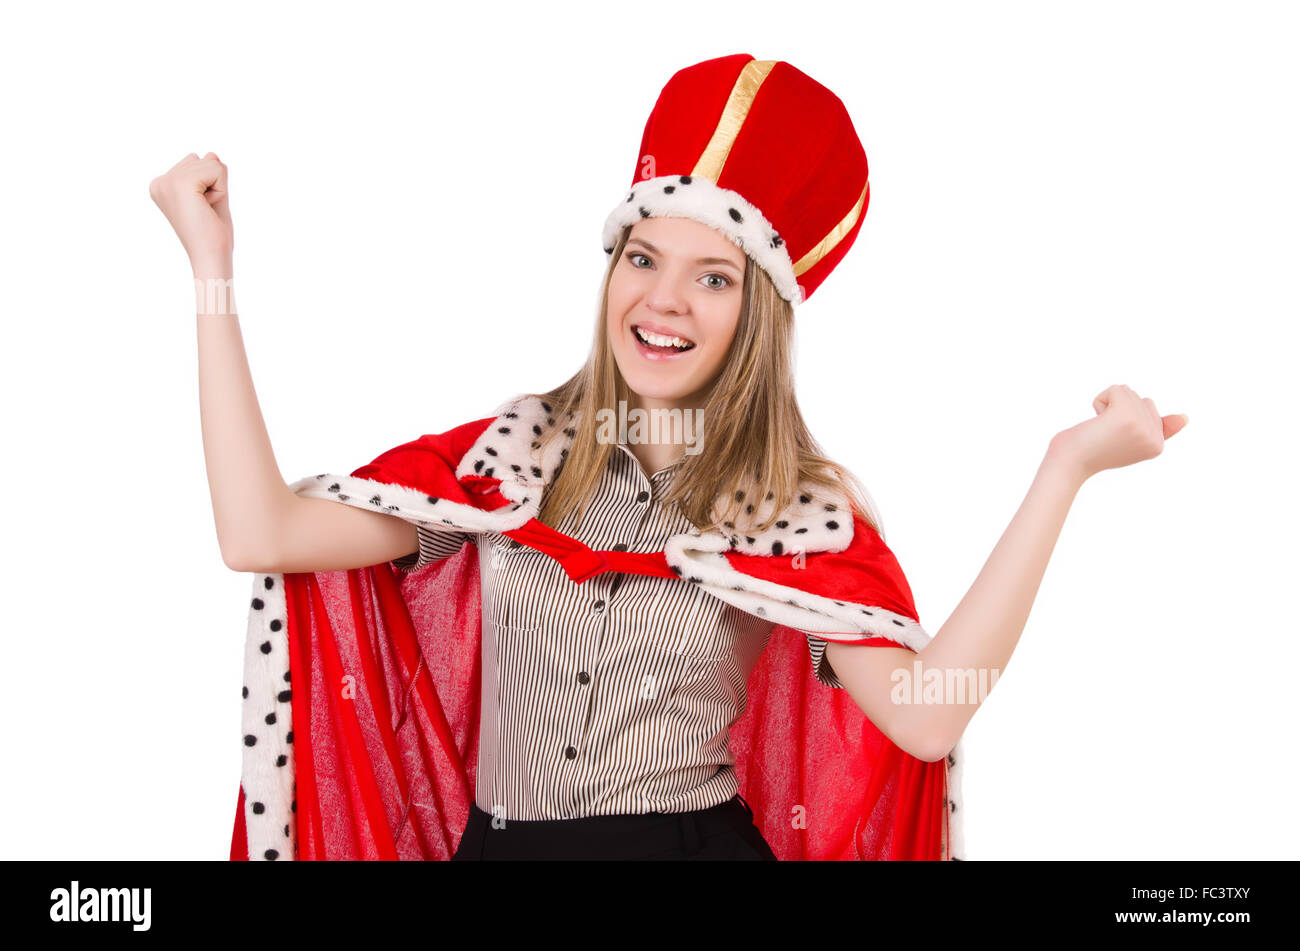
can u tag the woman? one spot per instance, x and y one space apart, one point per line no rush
611 720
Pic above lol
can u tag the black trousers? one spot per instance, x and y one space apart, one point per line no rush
725 832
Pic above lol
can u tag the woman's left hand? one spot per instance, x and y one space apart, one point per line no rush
1126 429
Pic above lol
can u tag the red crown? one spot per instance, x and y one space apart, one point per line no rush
763 153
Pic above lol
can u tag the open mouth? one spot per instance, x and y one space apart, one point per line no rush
661 343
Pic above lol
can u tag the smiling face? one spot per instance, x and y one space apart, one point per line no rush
678 282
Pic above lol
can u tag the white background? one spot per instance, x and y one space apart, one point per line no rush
1064 196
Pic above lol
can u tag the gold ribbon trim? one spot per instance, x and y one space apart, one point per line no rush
834 236
733 115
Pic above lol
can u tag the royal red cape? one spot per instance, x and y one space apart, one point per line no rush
361 687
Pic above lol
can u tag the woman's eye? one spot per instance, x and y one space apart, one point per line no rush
635 256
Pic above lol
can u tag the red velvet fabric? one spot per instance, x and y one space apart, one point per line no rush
386 738
768 162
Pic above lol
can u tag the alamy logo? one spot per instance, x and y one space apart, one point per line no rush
101 904
661 425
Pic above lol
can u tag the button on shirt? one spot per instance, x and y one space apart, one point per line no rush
612 696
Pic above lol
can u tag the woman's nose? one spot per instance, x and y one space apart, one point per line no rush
666 295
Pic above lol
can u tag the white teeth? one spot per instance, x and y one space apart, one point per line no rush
661 341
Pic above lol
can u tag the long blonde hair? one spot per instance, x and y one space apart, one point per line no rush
766 454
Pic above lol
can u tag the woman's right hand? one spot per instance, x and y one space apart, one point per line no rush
194 197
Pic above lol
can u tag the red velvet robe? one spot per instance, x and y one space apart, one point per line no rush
361 687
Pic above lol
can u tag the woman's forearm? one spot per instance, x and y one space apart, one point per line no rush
927 710
977 641
247 489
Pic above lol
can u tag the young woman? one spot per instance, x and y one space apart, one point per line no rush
616 659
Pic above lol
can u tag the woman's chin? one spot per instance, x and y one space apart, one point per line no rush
661 386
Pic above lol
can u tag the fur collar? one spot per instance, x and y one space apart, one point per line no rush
510 449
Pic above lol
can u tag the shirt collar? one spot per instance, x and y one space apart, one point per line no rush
665 471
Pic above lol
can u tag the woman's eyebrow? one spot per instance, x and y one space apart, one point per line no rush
653 250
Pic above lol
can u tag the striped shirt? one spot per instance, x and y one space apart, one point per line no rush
612 696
